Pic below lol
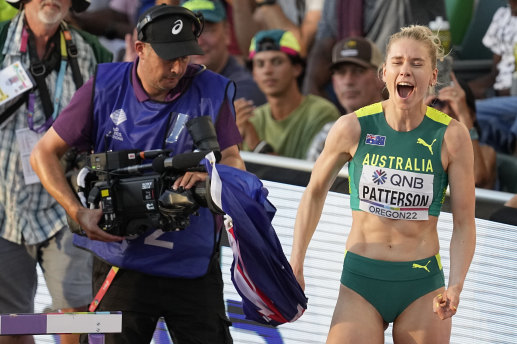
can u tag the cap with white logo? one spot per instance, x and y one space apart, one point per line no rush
172 36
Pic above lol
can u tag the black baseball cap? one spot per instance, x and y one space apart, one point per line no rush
172 31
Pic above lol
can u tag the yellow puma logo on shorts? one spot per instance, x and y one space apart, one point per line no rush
418 266
423 143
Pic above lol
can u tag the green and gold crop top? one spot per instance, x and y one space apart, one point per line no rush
398 175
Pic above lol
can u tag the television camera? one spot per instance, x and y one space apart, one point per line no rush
136 195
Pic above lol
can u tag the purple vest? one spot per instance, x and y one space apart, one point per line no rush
121 122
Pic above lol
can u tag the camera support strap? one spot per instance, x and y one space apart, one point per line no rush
39 71
105 285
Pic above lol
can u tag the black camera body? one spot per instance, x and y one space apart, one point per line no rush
136 195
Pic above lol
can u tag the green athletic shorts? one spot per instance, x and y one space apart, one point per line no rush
391 286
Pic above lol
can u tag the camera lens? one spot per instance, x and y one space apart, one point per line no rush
203 132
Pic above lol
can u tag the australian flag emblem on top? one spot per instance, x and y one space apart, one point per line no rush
376 140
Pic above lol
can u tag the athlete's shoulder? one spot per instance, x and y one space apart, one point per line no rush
346 128
368 110
457 134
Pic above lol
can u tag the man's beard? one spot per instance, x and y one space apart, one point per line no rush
51 15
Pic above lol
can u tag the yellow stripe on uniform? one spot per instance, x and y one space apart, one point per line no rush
439 261
369 110
438 116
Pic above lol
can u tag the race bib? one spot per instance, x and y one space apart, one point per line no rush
395 194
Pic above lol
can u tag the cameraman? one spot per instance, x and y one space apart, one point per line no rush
143 105
33 226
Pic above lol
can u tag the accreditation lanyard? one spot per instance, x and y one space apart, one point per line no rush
105 285
58 89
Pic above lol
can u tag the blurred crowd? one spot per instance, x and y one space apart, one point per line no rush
332 51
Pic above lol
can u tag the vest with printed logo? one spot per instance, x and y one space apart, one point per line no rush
121 122
398 175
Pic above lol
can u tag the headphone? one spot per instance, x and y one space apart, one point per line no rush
162 10
77 5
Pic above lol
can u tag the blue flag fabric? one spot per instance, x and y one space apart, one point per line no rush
260 271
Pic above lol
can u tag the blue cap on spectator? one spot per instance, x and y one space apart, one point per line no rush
213 11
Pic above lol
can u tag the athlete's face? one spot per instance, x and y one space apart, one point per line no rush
408 71
158 76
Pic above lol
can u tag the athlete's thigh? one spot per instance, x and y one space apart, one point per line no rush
355 320
419 324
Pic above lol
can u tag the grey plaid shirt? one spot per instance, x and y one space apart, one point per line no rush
27 212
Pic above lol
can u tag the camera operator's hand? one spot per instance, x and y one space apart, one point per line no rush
189 179
88 219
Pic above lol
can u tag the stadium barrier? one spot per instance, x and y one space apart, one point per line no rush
486 313
93 323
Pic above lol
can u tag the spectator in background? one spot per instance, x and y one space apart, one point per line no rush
299 17
501 39
288 122
214 41
111 23
457 100
499 113
33 226
498 118
373 19
356 81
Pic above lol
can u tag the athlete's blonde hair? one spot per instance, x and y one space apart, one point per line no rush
422 34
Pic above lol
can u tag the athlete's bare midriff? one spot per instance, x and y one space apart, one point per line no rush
381 238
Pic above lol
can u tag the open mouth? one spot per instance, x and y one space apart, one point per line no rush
404 89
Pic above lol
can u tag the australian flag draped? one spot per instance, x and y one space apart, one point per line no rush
260 271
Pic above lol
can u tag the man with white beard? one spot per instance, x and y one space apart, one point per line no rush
33 226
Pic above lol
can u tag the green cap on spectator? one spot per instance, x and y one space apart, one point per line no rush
213 11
